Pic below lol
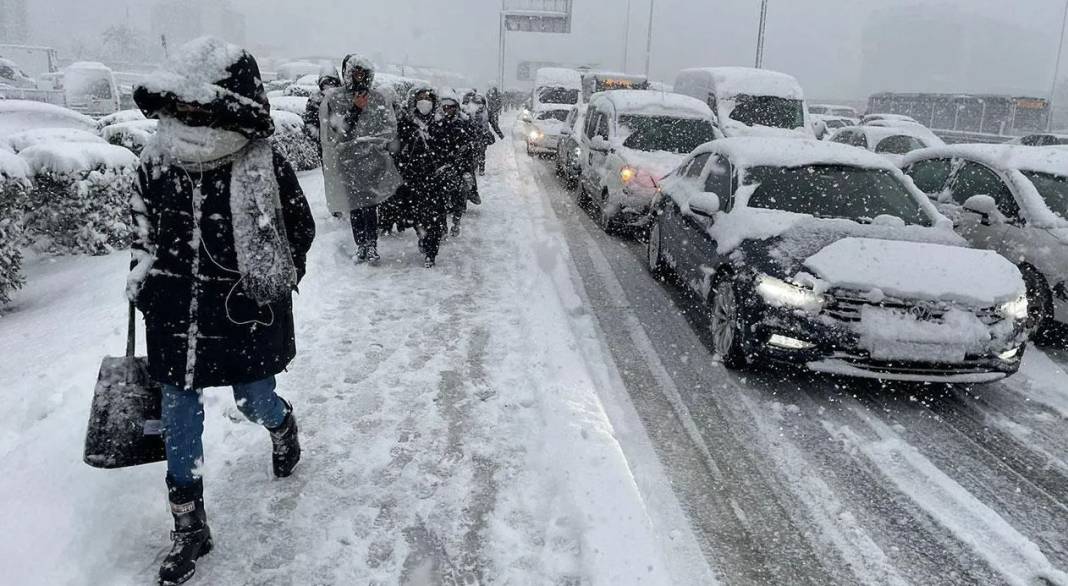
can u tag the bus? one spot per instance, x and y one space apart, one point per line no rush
971 113
602 81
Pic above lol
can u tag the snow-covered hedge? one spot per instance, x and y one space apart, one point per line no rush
80 201
14 188
289 138
133 135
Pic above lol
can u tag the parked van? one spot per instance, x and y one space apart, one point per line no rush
603 81
749 102
556 87
91 89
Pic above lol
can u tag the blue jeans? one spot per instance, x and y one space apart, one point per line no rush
183 422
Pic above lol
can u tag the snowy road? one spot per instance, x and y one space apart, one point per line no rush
797 479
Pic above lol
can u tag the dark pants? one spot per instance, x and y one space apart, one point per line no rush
365 226
431 207
480 158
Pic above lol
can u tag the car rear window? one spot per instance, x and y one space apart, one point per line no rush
560 115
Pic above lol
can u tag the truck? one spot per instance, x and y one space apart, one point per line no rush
35 61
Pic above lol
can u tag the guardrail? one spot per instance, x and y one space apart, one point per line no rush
54 97
958 137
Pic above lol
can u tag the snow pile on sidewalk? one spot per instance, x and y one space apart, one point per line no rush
452 433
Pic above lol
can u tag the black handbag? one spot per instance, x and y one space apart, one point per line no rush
124 421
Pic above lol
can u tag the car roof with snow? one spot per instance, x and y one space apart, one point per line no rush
1000 156
733 81
558 76
653 103
879 133
792 152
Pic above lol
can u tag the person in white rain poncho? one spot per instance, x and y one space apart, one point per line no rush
223 232
358 127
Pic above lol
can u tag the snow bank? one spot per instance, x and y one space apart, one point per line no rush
918 270
20 115
293 104
21 141
13 167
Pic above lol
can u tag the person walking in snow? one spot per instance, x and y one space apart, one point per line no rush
358 126
456 142
494 103
422 153
223 230
477 111
327 81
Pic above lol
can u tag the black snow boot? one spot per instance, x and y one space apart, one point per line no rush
286 444
191 538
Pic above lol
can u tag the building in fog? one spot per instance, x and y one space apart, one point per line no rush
14 22
184 20
948 49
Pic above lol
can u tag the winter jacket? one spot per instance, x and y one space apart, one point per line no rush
202 329
357 165
455 141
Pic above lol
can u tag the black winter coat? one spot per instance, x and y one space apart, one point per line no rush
196 313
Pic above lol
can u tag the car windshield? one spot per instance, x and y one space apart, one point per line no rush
558 95
1053 189
88 83
835 191
843 112
769 111
665 133
560 115
898 145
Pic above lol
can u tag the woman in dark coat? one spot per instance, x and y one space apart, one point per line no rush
223 232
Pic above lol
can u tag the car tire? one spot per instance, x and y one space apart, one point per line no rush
603 219
727 322
654 250
1039 305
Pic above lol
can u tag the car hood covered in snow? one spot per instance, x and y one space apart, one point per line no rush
917 270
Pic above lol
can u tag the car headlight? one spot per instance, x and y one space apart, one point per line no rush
779 293
1015 309
627 174
535 134
578 152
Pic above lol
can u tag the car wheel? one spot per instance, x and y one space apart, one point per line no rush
1039 304
728 325
657 266
603 219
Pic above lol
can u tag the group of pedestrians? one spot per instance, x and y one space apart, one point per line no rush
394 164
223 231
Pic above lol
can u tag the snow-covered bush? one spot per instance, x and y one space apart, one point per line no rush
291 140
133 135
80 201
119 118
19 141
14 187
294 104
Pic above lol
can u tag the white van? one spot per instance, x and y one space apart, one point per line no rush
91 89
749 102
556 87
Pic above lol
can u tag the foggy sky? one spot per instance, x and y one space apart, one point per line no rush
820 41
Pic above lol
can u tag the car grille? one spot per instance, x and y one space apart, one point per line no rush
970 365
846 306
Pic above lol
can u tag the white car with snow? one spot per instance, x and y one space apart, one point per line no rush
630 141
543 128
824 126
834 111
749 102
1009 199
569 150
823 255
891 142
22 115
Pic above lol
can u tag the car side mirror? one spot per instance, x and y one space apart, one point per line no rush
705 205
600 143
984 206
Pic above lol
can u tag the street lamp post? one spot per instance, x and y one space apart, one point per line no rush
1057 70
626 38
649 39
761 34
500 57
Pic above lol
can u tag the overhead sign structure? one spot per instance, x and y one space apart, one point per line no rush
537 16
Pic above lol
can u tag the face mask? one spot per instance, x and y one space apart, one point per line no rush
424 106
472 108
191 144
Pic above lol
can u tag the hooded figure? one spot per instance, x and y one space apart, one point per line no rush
476 110
223 230
494 103
457 143
328 80
358 125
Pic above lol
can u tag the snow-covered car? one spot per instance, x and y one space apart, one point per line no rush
13 75
824 255
1009 199
543 128
568 149
892 142
824 126
556 88
749 102
834 111
20 141
630 141
20 115
892 118
1040 140
91 88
